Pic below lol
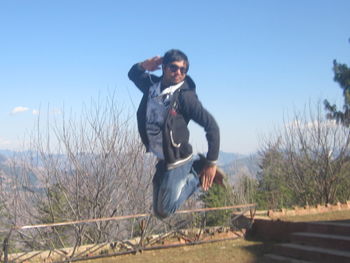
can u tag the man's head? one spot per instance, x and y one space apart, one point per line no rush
175 66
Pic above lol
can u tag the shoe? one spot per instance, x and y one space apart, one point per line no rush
219 178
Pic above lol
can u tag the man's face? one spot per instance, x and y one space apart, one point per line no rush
174 73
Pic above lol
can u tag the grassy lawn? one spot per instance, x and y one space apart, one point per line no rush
239 250
242 251
328 216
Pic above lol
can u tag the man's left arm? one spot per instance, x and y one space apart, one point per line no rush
195 111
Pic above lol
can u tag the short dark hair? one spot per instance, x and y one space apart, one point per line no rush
175 55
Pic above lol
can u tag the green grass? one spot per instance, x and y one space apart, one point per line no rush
239 250
327 216
242 251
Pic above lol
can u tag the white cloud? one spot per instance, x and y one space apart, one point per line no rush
19 109
35 112
56 111
4 142
297 124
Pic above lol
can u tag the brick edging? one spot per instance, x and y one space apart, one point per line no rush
307 210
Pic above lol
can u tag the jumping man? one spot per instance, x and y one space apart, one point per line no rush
169 102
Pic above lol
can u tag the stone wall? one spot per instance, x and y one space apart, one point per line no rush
275 230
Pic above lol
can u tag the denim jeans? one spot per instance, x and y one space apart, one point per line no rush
171 188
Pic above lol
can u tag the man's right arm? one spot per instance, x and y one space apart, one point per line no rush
140 78
138 75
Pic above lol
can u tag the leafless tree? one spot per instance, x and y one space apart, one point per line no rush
245 188
84 167
312 156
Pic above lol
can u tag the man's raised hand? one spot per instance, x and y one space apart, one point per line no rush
152 64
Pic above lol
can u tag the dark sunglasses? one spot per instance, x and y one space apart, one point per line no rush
174 68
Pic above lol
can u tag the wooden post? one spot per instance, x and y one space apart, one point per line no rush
5 246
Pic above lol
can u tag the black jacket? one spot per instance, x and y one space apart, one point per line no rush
184 107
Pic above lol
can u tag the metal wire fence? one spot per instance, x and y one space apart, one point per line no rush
105 237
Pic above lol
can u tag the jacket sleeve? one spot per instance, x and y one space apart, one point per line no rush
141 79
193 110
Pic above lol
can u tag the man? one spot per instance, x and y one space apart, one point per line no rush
168 104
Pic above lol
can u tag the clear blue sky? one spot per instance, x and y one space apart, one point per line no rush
252 61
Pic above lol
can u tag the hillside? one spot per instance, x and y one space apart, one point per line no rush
232 163
242 165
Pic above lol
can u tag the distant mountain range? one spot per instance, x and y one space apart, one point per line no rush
6 153
233 164
236 165
225 158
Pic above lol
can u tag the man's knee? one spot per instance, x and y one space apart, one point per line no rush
163 212
161 215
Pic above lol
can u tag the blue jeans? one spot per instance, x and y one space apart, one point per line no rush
171 188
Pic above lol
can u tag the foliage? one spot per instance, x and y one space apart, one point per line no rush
342 77
53 207
343 193
217 196
273 190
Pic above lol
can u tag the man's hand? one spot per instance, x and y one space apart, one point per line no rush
207 176
152 64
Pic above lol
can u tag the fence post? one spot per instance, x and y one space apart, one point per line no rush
5 246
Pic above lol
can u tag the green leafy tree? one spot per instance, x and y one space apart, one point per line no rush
343 193
217 196
273 191
342 77
53 209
